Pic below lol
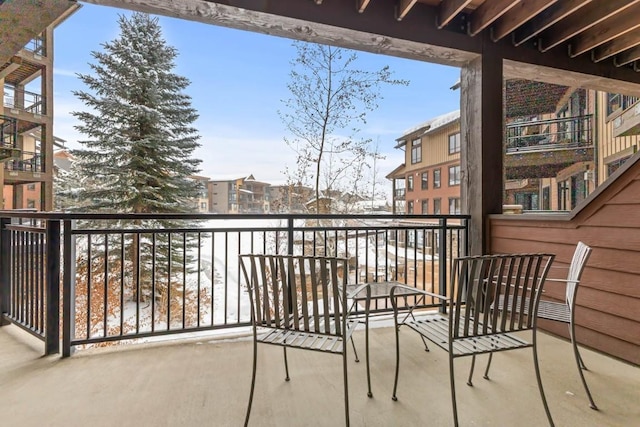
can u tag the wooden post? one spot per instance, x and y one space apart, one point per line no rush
482 138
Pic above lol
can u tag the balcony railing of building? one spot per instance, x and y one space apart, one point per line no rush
552 134
27 162
24 100
400 193
8 138
37 45
124 277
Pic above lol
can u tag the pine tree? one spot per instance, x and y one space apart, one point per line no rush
137 157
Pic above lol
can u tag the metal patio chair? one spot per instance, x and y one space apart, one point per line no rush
473 324
565 311
298 302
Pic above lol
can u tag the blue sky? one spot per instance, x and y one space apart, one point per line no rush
238 80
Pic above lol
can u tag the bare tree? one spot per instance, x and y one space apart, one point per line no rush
330 99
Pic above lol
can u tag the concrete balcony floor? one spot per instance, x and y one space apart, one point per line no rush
206 382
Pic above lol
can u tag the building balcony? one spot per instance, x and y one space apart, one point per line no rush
627 123
542 148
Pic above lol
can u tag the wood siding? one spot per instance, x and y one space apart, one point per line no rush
608 301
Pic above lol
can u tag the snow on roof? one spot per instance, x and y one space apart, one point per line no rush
429 125
443 120
233 177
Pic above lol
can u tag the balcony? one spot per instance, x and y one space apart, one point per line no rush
37 45
205 381
26 161
24 100
549 145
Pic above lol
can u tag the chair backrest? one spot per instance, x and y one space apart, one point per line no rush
300 293
578 262
478 282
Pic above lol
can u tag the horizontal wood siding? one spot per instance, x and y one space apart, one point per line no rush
608 312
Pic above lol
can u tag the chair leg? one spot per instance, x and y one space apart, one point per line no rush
486 371
453 391
346 386
286 365
366 344
355 352
580 364
253 382
473 364
395 382
539 379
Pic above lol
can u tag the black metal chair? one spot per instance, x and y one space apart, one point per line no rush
474 324
299 302
565 311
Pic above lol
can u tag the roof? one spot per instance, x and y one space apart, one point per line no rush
428 126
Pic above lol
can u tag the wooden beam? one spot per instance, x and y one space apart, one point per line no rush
517 16
546 19
15 63
588 16
338 23
448 10
627 57
482 124
608 30
404 6
487 13
362 5
620 44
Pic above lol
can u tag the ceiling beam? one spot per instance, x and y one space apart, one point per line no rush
618 45
546 19
488 13
607 30
588 16
404 6
518 15
627 57
448 10
362 5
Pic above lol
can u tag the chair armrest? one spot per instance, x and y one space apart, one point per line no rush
359 288
561 280
414 292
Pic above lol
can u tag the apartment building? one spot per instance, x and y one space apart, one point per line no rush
242 194
26 117
289 198
561 143
429 180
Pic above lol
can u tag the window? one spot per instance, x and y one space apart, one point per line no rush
424 181
436 178
436 207
410 207
454 143
416 151
410 183
454 175
31 187
31 204
425 206
454 206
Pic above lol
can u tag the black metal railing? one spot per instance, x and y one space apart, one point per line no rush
126 277
24 100
28 161
553 134
37 45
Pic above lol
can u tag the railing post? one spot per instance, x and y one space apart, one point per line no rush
68 289
442 262
5 266
52 316
290 235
